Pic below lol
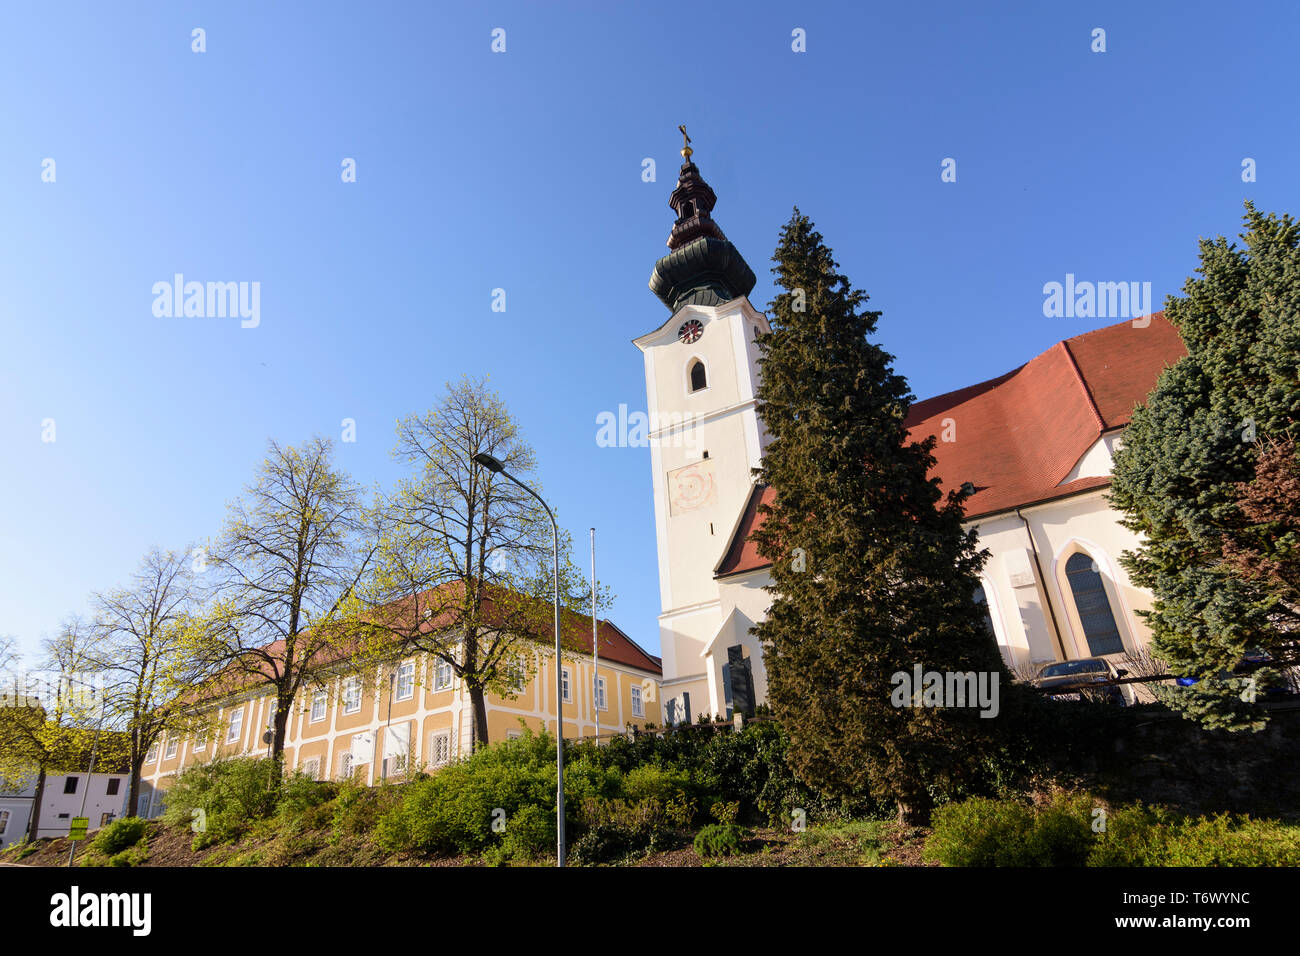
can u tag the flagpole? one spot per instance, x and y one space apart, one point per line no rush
595 642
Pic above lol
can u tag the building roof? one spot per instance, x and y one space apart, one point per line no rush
1018 436
399 616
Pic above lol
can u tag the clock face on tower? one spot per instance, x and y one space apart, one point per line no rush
691 331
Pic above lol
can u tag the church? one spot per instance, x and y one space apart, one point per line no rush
1035 443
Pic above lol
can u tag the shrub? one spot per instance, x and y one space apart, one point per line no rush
301 793
725 811
653 781
132 856
719 839
529 834
602 843
983 832
453 811
119 835
1142 836
986 832
230 793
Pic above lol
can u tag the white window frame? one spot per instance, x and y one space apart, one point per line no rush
638 705
601 699
151 755
235 727
443 675
519 676
319 696
173 744
434 737
514 734
351 686
406 674
201 740
346 766
568 689
311 767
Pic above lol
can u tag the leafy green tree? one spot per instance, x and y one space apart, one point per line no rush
872 572
139 648
285 575
464 568
1178 479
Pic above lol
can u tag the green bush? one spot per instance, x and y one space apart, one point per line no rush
453 811
1142 836
119 835
719 839
529 834
301 793
984 832
132 856
602 843
230 793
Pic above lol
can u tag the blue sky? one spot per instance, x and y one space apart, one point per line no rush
522 170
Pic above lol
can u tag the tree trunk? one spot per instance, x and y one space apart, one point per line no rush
478 700
34 823
914 814
133 788
277 741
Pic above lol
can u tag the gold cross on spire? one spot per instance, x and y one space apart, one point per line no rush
686 144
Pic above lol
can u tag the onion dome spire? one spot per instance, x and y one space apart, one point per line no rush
703 267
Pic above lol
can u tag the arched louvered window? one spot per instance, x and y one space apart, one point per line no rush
1090 600
699 378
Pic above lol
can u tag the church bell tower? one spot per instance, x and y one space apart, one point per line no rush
701 369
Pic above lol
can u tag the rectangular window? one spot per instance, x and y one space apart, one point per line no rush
113 784
352 695
318 702
311 767
518 676
4 822
600 694
236 725
638 709
70 785
106 818
397 746
345 765
568 694
406 681
172 743
152 755
201 740
440 748
514 734
443 675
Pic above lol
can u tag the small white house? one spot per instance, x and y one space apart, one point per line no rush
104 795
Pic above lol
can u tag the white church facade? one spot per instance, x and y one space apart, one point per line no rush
1036 443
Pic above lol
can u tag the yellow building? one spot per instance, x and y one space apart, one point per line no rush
414 713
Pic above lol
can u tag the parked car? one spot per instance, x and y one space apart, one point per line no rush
1070 680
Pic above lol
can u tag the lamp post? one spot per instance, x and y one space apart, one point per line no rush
496 467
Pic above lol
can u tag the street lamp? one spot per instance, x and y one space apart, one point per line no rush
496 467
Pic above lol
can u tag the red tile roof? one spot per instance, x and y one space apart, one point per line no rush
1019 435
575 635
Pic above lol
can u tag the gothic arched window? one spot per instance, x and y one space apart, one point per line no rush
699 378
1090 600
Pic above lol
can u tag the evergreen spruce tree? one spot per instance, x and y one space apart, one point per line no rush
1189 456
872 572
